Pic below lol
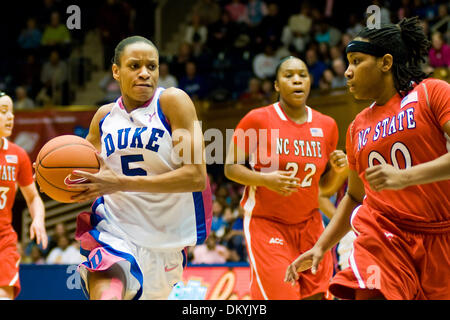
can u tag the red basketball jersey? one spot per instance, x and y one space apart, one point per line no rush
15 168
405 132
275 142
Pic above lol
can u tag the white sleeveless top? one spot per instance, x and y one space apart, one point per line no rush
140 143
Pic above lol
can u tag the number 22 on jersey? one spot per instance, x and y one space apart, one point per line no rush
310 169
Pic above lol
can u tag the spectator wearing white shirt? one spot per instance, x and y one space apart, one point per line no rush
22 102
64 253
166 80
265 63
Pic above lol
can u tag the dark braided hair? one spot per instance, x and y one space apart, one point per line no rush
125 42
408 44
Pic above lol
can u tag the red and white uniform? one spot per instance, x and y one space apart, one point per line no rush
15 169
403 243
277 228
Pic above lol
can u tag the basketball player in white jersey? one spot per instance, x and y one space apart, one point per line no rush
148 206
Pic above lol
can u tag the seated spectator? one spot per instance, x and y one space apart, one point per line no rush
54 76
210 252
235 238
56 33
59 231
296 32
166 80
326 79
265 63
253 96
237 11
179 61
64 253
256 10
355 25
222 33
327 33
29 75
271 27
192 83
111 89
439 54
196 32
442 23
208 10
30 38
36 255
336 53
218 225
339 79
315 66
269 94
23 102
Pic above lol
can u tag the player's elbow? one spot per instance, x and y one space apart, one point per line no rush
199 178
228 171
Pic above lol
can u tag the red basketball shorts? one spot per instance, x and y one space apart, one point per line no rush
10 258
272 247
403 261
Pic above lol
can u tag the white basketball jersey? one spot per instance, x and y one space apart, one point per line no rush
140 143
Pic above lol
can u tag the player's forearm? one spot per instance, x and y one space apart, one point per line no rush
243 175
188 178
332 181
339 225
428 172
36 208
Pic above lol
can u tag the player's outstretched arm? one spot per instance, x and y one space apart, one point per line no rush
336 229
383 177
37 213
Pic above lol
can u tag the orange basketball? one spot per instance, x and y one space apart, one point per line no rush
56 161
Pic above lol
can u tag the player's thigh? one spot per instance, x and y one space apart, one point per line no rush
107 280
270 252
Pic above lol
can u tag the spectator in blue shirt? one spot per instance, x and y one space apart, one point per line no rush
193 84
30 38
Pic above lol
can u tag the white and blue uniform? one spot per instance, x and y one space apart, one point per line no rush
145 233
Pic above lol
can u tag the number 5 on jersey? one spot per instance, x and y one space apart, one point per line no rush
310 169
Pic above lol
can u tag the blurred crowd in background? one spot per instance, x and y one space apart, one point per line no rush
229 51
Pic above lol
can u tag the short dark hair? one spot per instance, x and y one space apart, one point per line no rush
408 44
124 43
277 69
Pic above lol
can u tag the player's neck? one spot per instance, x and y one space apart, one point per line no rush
388 92
298 114
130 104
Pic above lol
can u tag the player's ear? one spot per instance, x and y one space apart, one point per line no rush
386 62
275 85
115 71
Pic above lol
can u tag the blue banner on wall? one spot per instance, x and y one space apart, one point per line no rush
50 282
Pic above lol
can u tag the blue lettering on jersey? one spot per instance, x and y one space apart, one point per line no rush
123 140
109 144
136 142
156 133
